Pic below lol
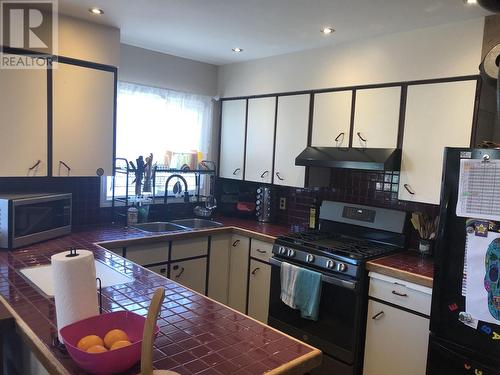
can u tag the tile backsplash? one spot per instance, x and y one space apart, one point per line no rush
85 190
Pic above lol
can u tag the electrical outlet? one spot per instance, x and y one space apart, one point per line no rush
282 203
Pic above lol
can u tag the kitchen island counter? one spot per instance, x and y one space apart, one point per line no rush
197 334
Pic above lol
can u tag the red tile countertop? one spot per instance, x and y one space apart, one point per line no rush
409 266
197 335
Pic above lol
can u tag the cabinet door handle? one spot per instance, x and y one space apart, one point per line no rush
64 165
36 164
163 270
361 137
235 172
235 243
409 189
279 176
338 136
180 273
261 251
264 174
399 294
255 270
378 315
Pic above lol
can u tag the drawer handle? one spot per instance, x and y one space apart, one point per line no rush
279 176
378 315
255 270
180 273
236 171
261 251
399 294
64 165
163 270
264 174
235 243
338 136
409 189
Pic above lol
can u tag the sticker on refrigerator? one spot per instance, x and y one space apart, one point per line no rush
482 292
479 189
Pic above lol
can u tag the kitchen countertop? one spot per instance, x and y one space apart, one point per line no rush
197 334
408 265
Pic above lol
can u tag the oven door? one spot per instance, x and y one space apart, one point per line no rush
337 330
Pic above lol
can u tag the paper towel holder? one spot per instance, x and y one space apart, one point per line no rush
72 253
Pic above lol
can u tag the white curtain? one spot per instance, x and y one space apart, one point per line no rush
151 119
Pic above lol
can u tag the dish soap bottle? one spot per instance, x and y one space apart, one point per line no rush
132 216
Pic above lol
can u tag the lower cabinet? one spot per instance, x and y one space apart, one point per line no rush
148 253
190 273
238 273
396 340
258 290
218 280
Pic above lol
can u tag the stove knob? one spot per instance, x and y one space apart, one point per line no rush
330 264
282 250
309 258
341 267
290 253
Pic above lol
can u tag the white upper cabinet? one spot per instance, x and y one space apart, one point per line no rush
376 117
83 103
260 140
232 140
437 115
331 119
23 105
291 139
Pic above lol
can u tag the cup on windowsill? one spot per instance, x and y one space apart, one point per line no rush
425 247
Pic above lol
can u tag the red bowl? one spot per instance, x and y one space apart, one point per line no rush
113 361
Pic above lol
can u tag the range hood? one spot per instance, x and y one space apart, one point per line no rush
375 159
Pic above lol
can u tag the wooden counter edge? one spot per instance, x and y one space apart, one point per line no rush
400 274
42 353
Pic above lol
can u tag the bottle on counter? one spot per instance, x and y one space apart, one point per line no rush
132 216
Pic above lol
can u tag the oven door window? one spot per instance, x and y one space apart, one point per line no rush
41 217
335 330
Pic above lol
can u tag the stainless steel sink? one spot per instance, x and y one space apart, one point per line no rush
198 223
160 227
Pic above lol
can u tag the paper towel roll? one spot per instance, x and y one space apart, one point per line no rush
75 288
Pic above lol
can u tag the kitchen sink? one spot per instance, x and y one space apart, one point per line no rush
160 227
198 223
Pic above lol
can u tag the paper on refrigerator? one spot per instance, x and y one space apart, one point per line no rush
482 292
479 189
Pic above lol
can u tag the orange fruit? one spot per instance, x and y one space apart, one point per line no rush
89 341
113 336
97 349
120 344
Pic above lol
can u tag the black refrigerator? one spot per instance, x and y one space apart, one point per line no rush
465 314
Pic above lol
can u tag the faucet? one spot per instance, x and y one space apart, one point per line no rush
186 193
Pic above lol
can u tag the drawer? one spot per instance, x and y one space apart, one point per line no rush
401 293
193 247
148 254
261 250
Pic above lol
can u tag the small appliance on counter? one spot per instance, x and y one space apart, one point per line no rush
28 218
264 209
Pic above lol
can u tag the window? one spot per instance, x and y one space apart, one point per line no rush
166 123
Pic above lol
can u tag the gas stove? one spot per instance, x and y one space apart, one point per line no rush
348 237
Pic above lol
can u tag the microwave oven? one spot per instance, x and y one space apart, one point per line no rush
29 218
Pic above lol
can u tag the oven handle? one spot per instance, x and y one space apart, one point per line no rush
324 278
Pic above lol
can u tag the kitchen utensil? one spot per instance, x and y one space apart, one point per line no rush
148 336
113 361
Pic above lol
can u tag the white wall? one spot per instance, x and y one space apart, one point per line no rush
152 68
443 51
89 41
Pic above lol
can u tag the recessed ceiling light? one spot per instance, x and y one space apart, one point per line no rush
327 30
237 49
96 11
470 2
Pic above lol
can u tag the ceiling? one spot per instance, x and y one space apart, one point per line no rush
206 30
